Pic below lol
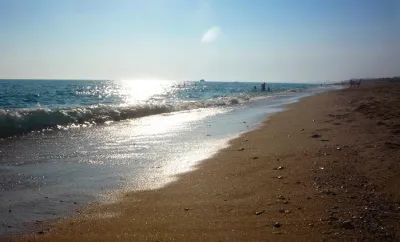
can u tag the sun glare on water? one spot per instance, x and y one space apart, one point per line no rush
138 91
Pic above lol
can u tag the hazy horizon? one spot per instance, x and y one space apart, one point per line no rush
274 41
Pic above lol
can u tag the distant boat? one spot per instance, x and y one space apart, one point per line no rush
202 80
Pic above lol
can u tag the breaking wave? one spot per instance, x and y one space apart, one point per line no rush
20 121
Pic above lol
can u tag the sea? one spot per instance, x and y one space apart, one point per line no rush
67 143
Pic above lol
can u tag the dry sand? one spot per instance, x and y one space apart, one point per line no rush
325 170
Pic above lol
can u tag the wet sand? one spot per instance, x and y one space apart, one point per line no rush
327 169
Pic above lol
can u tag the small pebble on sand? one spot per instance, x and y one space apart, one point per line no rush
347 225
277 225
259 212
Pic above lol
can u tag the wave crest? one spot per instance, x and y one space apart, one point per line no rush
20 121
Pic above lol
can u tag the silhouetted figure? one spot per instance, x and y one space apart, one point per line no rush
355 83
263 87
269 89
255 88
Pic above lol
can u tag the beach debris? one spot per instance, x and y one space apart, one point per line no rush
335 207
278 168
277 225
40 232
208 135
338 148
244 122
325 140
347 225
279 177
282 210
313 120
259 212
186 209
9 210
280 197
255 157
246 140
316 136
285 202
301 129
241 149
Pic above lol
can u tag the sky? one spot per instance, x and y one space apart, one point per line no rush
219 40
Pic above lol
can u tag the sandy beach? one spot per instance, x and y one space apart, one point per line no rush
327 169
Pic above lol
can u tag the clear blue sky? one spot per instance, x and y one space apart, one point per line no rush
244 40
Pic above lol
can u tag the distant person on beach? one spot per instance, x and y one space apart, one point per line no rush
269 89
263 87
355 83
255 88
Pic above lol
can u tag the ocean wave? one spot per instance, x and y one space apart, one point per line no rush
20 121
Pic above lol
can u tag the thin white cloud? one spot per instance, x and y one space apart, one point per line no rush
211 35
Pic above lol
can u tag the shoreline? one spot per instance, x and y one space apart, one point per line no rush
37 207
275 173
